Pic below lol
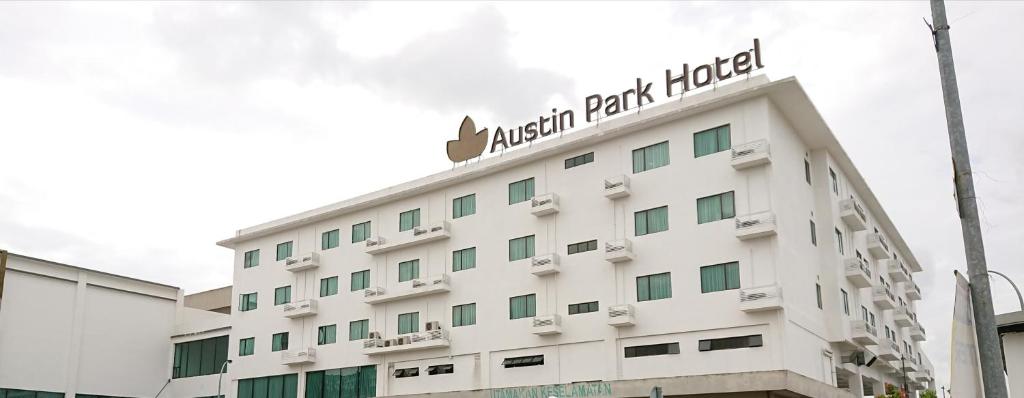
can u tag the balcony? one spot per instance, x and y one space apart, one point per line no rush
917 332
618 251
415 288
299 357
616 187
621 315
299 309
755 225
903 317
543 205
751 154
853 215
923 375
861 332
912 290
896 271
301 263
910 364
762 298
858 272
883 297
888 350
877 246
407 342
416 236
544 265
547 325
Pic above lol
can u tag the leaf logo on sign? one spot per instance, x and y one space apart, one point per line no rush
471 143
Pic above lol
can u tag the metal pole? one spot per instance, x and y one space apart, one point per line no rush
903 363
220 376
1019 297
981 294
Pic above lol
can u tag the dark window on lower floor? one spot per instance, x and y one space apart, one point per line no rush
516 362
407 372
582 308
441 369
653 349
729 343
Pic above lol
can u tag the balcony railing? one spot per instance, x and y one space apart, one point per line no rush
416 236
852 214
621 315
761 298
888 350
912 290
858 272
299 357
618 251
542 205
544 264
547 325
754 153
903 317
302 262
863 332
917 332
407 342
616 187
299 309
755 225
883 297
415 288
896 271
877 246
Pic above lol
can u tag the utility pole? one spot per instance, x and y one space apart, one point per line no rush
981 294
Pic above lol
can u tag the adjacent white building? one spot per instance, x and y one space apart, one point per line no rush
721 243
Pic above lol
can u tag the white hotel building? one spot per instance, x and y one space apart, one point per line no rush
722 243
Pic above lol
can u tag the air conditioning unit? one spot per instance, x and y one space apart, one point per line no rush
418 283
388 342
375 241
405 340
376 291
433 325
399 341
374 335
417 231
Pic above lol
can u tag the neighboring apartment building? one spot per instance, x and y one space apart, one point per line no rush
722 243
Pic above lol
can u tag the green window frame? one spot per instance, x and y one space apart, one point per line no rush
814 234
650 157
199 357
839 241
409 323
408 220
464 206
835 180
408 270
716 207
579 160
252 259
711 141
284 250
247 301
360 280
359 330
328 286
520 191
279 342
522 306
807 171
654 287
330 239
246 346
464 315
817 292
327 334
583 308
846 301
354 382
464 259
283 295
360 232
581 247
521 248
650 221
720 277
278 386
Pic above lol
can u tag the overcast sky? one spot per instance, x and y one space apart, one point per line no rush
133 136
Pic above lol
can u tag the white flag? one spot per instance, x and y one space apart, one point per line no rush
965 363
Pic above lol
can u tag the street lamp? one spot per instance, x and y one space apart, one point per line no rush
903 364
220 375
1019 297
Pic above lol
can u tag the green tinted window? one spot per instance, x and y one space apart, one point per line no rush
356 382
247 302
582 247
360 280
715 207
327 334
520 191
252 258
284 250
283 295
718 277
279 386
711 141
360 232
650 157
464 315
246 346
522 306
464 206
408 220
328 286
651 220
464 259
279 342
409 323
653 287
330 239
521 248
408 270
358 330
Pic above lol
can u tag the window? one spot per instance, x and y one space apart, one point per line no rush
408 323
520 248
719 277
730 343
715 207
581 247
330 239
284 250
408 220
650 157
582 308
864 313
246 346
464 206
252 258
358 330
407 372
360 381
711 141
441 369
464 259
327 334
872 318
328 286
520 191
522 306
835 181
12 393
360 232
408 270
807 171
247 302
518 362
839 241
651 350
846 301
279 386
464 315
654 287
579 160
279 342
360 280
817 292
198 358
651 221
283 295
888 333
814 234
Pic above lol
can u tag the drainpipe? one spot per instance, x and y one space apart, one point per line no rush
3 271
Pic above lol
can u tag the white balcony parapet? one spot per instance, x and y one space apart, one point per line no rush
755 225
910 364
883 297
853 215
415 288
407 342
542 205
618 251
858 272
416 236
863 333
761 298
888 350
903 317
877 246
547 325
621 315
754 153
299 357
923 375
896 271
917 332
544 264
912 290
299 309
302 262
616 187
